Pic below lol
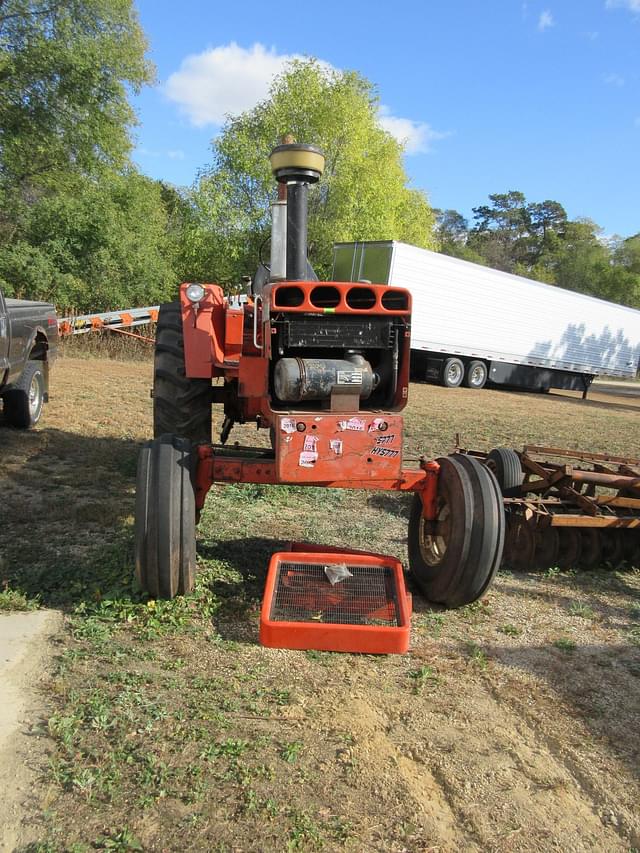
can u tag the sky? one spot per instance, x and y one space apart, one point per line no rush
542 97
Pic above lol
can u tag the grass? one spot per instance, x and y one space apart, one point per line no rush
510 630
421 677
565 644
11 599
171 728
477 655
579 608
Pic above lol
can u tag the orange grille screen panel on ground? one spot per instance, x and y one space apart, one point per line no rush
337 446
368 611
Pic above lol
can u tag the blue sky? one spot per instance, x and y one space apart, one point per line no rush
542 97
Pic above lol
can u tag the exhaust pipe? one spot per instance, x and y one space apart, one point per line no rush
294 166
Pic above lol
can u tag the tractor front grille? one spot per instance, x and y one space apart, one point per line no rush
302 593
331 331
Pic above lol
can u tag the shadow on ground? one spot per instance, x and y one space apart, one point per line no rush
67 514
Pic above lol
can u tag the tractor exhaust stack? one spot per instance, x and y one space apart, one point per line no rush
296 166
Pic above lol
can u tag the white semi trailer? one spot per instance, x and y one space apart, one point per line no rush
473 325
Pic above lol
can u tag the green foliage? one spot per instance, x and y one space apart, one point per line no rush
363 195
64 73
101 246
78 225
537 240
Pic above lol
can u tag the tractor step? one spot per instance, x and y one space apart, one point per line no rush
365 609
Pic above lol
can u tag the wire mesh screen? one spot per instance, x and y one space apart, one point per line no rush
303 594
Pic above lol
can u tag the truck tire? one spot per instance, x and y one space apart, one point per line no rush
181 406
455 564
165 522
23 401
476 375
505 464
452 373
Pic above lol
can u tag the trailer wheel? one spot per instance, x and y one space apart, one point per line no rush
24 399
452 373
165 531
476 375
181 406
505 464
455 558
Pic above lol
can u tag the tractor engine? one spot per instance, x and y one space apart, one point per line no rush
295 344
337 346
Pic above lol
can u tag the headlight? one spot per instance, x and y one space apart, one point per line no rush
195 292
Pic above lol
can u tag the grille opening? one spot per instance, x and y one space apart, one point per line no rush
395 300
362 298
325 296
303 594
289 297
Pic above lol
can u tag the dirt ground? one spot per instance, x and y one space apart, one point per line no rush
511 725
26 651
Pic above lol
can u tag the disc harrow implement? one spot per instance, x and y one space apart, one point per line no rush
567 508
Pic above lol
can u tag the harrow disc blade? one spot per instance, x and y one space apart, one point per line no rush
631 547
520 544
547 547
570 542
612 548
591 553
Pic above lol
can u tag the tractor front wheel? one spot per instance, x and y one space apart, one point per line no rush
181 406
165 531
455 557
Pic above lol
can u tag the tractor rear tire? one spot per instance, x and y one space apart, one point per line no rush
454 564
181 406
165 531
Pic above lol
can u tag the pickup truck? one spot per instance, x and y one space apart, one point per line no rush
28 347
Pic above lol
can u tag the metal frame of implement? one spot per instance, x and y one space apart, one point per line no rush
585 503
113 321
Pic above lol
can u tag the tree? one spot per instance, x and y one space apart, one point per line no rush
363 195
78 225
64 72
452 234
104 245
502 231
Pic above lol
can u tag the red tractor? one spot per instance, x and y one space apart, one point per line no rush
324 366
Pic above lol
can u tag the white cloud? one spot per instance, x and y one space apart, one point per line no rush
614 79
176 154
224 80
416 136
631 5
545 21
230 79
